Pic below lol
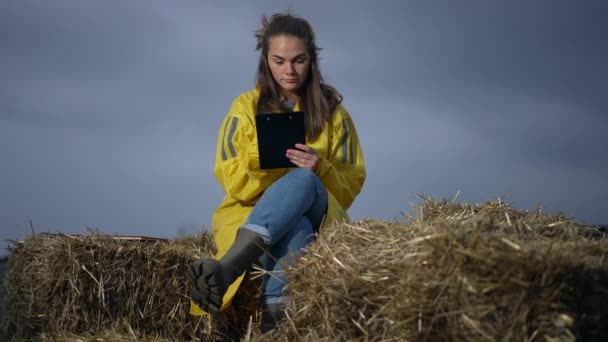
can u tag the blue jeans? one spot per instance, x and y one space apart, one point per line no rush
287 216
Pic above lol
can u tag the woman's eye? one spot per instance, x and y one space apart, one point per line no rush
279 62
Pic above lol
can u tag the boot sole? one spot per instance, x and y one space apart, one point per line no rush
211 288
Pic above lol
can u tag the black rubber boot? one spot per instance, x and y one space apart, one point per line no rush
272 314
212 277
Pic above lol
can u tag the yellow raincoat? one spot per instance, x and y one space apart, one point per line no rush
237 168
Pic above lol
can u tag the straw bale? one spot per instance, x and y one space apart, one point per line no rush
450 272
58 286
127 334
454 272
3 266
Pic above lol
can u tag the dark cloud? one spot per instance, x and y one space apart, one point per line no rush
109 111
430 51
114 63
78 40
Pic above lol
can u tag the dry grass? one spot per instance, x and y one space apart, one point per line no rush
457 272
454 272
61 286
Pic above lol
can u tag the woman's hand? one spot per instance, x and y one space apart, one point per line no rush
305 157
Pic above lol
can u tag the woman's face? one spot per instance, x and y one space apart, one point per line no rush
289 63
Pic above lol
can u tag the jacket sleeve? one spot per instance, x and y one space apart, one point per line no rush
237 165
343 173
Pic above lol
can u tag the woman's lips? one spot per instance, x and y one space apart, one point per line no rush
291 81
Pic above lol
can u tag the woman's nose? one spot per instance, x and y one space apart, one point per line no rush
291 68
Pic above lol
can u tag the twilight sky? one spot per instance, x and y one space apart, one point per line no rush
109 110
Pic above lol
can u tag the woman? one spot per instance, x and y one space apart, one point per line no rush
270 215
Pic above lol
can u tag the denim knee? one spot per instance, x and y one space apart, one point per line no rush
303 174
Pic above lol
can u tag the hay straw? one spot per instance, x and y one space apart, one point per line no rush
458 272
58 285
453 272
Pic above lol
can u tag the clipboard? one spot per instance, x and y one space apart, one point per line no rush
278 132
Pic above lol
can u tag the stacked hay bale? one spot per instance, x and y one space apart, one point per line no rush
453 272
95 286
456 272
3 267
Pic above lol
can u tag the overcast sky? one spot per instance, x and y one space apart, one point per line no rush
109 110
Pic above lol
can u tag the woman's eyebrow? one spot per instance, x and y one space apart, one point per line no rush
303 54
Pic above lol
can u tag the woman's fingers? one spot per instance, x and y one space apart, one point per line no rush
306 148
297 163
305 156
300 159
300 155
303 151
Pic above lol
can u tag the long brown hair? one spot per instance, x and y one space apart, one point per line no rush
317 99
